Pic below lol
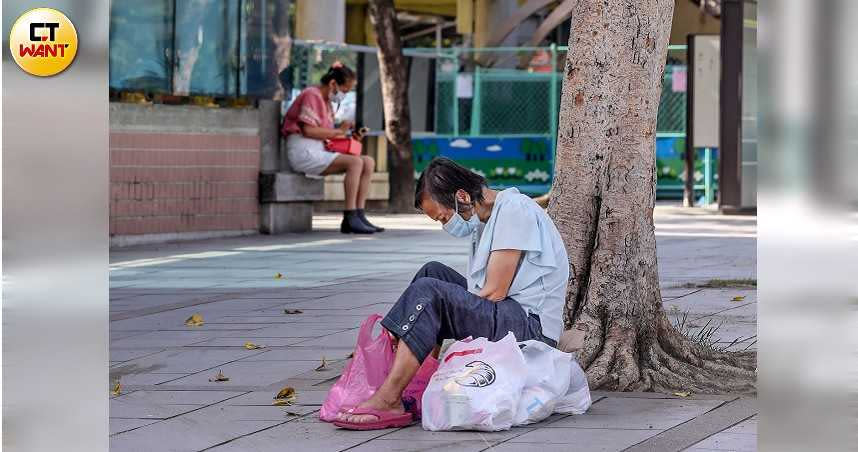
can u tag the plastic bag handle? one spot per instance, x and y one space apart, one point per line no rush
365 333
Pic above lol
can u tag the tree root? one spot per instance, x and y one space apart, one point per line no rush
667 361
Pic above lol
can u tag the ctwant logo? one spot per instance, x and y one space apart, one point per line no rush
43 42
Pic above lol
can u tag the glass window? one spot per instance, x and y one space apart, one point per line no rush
140 45
207 57
265 47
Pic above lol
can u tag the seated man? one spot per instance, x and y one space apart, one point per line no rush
517 276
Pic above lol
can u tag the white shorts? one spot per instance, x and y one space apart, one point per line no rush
308 155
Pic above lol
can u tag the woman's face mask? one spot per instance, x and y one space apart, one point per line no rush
458 226
336 95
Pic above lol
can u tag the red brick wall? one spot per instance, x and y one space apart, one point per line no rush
183 182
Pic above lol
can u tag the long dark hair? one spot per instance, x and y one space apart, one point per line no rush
339 73
443 178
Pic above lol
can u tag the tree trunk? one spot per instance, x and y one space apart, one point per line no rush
602 202
393 72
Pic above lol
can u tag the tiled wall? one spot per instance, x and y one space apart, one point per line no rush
183 170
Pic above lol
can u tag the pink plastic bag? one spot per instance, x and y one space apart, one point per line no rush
362 376
412 397
373 358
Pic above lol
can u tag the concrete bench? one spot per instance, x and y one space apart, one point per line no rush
286 197
286 201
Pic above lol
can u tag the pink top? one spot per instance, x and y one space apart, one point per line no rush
309 108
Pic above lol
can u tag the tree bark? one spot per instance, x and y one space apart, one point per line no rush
393 72
602 201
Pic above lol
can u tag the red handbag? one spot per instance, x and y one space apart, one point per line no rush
344 146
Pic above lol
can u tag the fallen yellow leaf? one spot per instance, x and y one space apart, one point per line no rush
117 388
286 396
219 377
292 311
194 320
323 366
682 394
738 298
278 276
251 346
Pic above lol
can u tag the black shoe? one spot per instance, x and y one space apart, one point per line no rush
352 224
362 216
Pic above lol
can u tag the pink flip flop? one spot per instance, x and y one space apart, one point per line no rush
386 419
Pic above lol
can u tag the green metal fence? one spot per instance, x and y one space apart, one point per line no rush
672 105
516 92
519 100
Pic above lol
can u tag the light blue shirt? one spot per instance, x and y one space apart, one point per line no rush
518 223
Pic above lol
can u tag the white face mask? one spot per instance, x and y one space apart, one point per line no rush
337 96
458 226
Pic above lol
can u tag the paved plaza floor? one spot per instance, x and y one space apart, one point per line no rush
241 287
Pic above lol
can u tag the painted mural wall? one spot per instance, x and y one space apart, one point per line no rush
528 162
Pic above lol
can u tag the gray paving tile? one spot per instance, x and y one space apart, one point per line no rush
586 438
239 340
749 426
533 447
267 412
174 318
142 409
191 432
337 322
344 301
299 354
597 395
672 293
413 445
741 442
250 319
638 413
222 327
116 335
120 354
258 373
144 378
164 339
343 339
304 397
702 426
416 432
184 360
310 434
174 397
289 330
123 425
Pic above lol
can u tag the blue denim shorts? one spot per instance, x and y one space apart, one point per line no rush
438 306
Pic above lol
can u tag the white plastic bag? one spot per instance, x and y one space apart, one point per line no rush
476 387
577 398
548 374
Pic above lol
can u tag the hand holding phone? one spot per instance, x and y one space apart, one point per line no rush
360 133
